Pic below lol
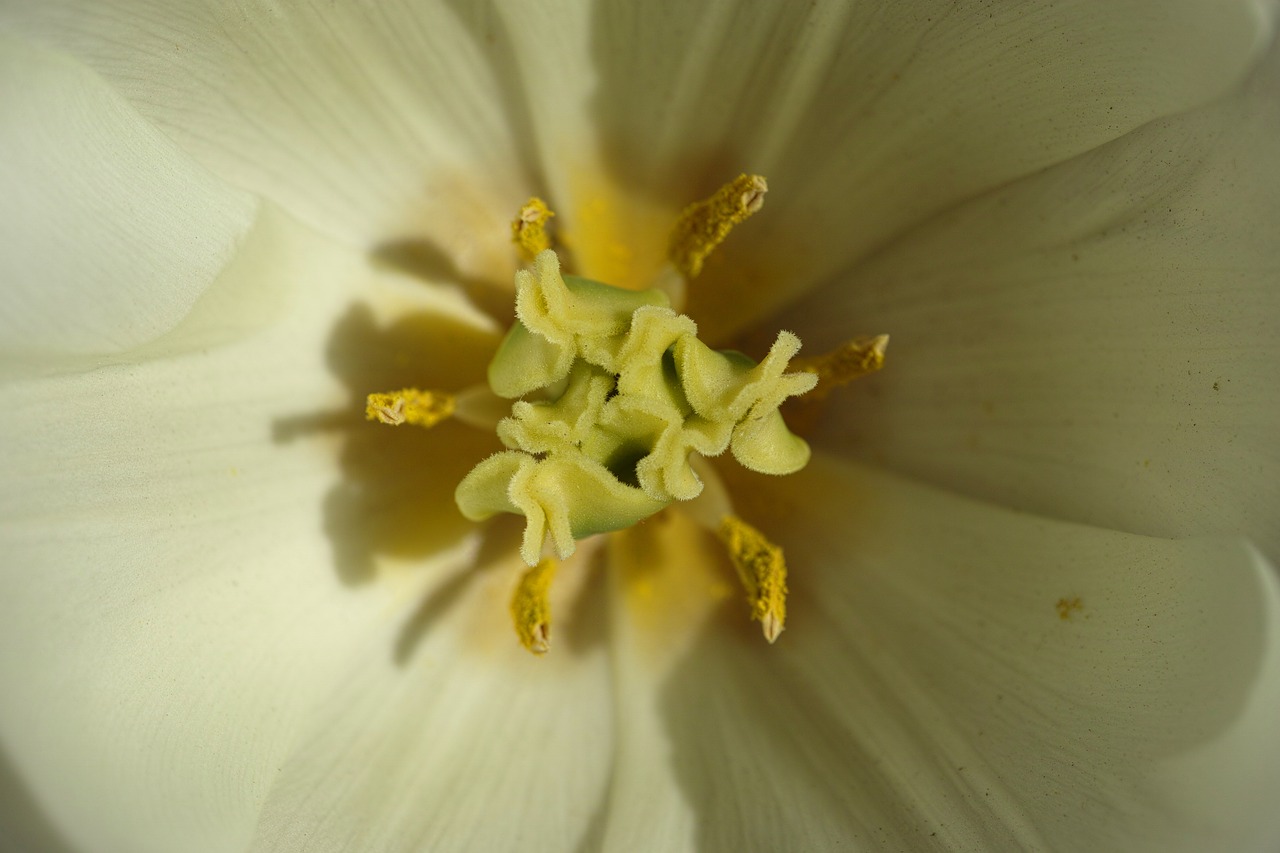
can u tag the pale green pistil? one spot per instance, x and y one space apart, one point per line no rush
618 392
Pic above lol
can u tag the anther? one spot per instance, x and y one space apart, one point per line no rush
528 229
762 571
410 406
531 609
705 224
843 364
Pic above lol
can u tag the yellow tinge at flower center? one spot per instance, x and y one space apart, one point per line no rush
615 400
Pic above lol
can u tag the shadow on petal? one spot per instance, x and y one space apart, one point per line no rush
395 498
499 540
586 623
23 823
486 26
427 261
644 151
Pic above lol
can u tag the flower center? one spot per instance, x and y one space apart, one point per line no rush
616 404
622 393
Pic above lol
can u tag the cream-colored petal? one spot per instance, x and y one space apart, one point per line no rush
183 554
1097 343
380 123
871 117
664 588
109 232
956 676
445 734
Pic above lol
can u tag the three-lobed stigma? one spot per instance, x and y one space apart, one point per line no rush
617 393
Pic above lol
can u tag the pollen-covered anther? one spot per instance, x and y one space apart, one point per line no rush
528 229
531 608
762 571
704 225
842 365
410 406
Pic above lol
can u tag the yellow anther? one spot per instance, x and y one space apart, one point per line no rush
762 570
528 229
409 406
704 225
843 364
530 609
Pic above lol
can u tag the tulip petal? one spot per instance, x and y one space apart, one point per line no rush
110 233
379 124
382 125
172 605
959 676
1097 343
868 118
466 742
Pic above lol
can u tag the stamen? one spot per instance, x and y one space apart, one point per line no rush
704 225
762 570
528 228
530 608
477 406
410 406
843 364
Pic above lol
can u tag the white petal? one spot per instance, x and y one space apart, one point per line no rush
110 233
173 601
664 588
1097 343
373 122
871 117
445 734
927 692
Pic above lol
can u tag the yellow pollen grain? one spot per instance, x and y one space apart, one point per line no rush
1068 607
531 608
409 406
762 571
704 225
528 229
843 364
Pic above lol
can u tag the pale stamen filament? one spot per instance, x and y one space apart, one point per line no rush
479 407
673 284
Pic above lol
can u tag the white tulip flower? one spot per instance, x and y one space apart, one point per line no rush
1032 598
